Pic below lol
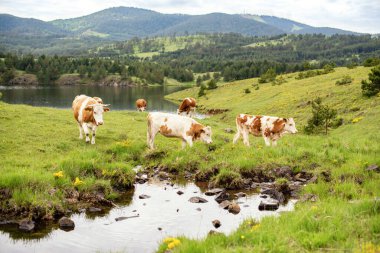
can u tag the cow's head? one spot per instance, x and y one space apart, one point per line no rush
142 108
97 111
290 126
206 134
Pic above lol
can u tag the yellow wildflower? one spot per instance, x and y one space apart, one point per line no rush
168 239
356 120
58 174
255 227
171 245
77 181
314 208
242 237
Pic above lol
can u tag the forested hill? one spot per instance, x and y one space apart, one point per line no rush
123 23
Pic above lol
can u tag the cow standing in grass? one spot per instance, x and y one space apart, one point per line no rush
141 104
187 107
270 128
88 112
171 125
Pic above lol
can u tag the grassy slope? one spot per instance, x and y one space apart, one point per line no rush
346 216
40 141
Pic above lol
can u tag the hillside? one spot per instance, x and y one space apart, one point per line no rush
123 23
344 190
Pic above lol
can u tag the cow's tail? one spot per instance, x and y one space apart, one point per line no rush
238 130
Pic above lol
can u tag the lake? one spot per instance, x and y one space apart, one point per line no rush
120 98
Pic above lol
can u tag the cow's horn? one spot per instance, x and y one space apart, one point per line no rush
106 105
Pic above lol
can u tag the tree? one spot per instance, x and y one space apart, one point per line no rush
82 71
268 76
6 76
199 81
323 117
372 87
211 84
202 91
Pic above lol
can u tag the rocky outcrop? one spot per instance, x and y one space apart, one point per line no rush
26 225
69 80
24 80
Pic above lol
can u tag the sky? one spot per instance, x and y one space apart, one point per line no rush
354 15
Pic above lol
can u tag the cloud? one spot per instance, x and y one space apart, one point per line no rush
355 15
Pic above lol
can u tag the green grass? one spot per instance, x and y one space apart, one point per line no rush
36 142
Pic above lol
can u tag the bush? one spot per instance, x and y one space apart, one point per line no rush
211 84
345 80
323 118
372 87
370 62
202 91
278 81
268 76
247 91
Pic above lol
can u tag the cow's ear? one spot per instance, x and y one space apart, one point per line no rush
106 109
286 120
89 108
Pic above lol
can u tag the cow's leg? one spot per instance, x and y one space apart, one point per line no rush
86 132
93 135
246 137
267 141
188 140
184 143
151 134
80 131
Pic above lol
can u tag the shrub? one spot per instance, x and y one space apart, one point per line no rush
278 81
372 87
199 81
247 91
202 91
323 117
268 76
370 62
345 80
211 84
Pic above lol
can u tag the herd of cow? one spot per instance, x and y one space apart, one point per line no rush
88 112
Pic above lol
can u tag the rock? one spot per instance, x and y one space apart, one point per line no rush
269 205
273 193
246 206
222 196
298 177
159 228
198 209
213 232
234 208
240 194
373 167
214 191
229 130
126 217
313 179
26 225
144 196
197 200
326 176
94 209
82 210
263 196
224 204
66 224
309 197
180 192
284 171
216 223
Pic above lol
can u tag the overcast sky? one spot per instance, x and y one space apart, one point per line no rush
354 15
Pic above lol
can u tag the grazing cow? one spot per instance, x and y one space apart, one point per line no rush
171 125
271 128
187 107
141 104
88 112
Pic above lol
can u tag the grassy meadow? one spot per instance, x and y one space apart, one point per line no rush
37 142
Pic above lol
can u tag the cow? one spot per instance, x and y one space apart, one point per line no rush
177 126
141 104
88 112
187 107
270 128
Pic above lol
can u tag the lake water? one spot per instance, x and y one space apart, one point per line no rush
120 98
165 209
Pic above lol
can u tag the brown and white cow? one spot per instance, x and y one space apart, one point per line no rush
88 112
270 128
187 107
177 126
141 104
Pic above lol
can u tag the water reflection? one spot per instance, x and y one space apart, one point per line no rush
165 209
121 98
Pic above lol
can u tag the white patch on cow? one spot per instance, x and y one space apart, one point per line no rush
83 105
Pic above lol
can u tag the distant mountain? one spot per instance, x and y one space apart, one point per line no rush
122 23
12 25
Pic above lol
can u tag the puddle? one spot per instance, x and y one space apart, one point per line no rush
165 209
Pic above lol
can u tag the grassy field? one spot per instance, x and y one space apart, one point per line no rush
36 142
